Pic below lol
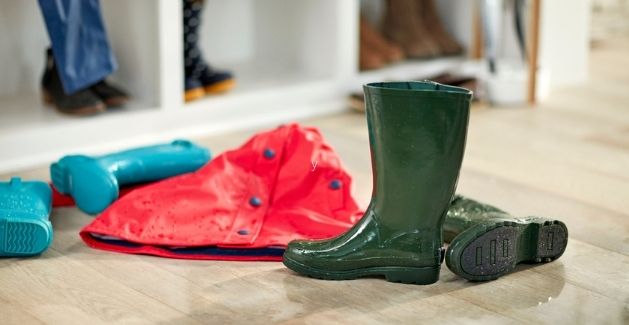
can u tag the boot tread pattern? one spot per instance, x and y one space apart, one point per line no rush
19 237
480 256
498 249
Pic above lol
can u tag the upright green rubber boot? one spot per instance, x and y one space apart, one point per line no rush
417 136
486 242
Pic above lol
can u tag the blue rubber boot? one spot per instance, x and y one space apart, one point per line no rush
24 210
94 182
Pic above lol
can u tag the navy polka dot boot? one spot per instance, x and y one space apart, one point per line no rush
200 78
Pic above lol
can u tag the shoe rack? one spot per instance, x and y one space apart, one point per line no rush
292 60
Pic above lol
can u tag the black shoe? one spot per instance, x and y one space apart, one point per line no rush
193 89
82 102
196 68
215 82
111 95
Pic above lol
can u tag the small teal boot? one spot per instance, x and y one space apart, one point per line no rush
24 210
94 182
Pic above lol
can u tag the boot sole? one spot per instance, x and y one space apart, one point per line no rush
193 94
220 87
24 237
490 250
116 102
401 274
83 111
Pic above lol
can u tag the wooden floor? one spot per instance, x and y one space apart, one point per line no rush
568 159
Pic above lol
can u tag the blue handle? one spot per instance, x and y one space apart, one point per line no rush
156 162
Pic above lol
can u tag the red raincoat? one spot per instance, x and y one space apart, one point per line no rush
245 204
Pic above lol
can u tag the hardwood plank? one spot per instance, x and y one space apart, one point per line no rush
59 289
14 314
534 297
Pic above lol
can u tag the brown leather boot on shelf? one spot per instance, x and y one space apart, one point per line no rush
369 57
430 16
405 27
389 51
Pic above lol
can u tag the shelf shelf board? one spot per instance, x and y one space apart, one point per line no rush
27 111
416 69
26 126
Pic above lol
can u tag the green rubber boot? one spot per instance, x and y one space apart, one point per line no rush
417 136
486 242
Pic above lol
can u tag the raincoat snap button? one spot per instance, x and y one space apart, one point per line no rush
255 201
243 232
335 184
269 153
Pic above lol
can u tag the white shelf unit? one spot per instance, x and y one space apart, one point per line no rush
292 60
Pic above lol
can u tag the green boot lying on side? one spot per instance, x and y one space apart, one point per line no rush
486 242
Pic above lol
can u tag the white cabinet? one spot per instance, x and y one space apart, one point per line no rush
292 60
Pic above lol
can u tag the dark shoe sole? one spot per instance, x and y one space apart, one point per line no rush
81 111
408 275
490 250
24 237
116 102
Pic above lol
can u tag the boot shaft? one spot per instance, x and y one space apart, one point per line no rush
400 14
417 133
94 182
49 68
192 15
464 213
154 162
20 199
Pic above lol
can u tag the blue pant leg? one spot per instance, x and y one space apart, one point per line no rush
79 42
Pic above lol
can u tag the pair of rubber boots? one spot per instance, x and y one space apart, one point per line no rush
417 133
94 182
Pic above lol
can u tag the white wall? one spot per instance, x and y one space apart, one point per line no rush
564 36
23 40
131 27
564 40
